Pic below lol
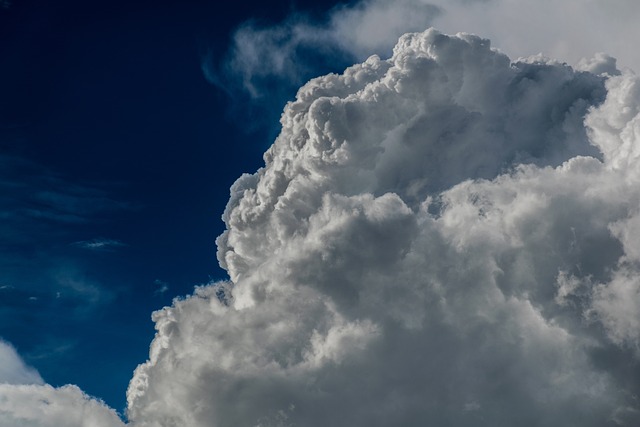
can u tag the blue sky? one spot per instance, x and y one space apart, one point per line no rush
450 232
111 134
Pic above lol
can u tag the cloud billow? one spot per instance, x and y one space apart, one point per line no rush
440 238
444 238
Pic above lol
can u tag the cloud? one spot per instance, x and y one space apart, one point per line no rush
36 200
373 26
46 406
441 238
293 50
269 60
75 283
41 213
32 193
567 29
25 400
162 287
13 370
445 237
266 63
353 30
99 244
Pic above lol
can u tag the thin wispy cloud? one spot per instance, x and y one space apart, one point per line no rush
36 203
73 281
161 287
42 211
100 244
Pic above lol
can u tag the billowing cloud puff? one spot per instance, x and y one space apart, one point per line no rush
25 401
46 406
438 238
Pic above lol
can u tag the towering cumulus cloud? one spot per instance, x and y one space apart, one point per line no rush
440 238
443 238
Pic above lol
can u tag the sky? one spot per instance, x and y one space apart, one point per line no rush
434 227
117 160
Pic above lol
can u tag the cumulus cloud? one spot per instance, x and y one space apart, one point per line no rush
26 401
444 237
46 406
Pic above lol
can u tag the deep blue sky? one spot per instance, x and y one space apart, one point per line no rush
109 131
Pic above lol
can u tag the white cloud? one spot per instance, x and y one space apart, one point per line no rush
617 305
265 59
374 26
46 406
26 401
444 237
435 238
13 370
567 29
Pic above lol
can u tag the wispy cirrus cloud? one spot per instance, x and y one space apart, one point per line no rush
161 287
100 244
49 286
39 206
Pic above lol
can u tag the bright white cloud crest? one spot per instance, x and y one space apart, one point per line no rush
439 238
46 406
